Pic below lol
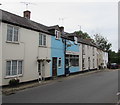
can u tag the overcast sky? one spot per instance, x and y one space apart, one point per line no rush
95 16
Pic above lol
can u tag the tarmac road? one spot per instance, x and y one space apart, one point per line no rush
100 87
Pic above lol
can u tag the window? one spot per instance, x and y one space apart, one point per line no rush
57 34
83 63
93 51
93 63
13 67
83 49
59 62
73 60
75 40
12 34
42 40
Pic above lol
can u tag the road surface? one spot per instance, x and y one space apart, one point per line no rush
100 87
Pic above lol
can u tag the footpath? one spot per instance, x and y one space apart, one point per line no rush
11 90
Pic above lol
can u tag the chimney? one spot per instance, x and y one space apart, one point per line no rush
27 14
62 30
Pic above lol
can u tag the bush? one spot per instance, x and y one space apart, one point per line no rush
14 82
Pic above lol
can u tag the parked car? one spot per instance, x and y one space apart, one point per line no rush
113 66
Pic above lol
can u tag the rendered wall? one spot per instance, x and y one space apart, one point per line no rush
27 50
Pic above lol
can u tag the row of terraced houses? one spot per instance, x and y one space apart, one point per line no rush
29 50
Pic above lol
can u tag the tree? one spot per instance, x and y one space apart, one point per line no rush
83 35
102 42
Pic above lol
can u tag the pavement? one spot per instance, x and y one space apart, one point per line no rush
11 90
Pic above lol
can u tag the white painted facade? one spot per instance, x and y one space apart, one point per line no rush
28 50
89 57
105 59
0 53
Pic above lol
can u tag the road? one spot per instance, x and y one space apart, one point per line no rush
100 87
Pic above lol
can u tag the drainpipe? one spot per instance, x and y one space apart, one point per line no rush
65 56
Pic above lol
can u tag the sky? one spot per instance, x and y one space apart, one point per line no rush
91 16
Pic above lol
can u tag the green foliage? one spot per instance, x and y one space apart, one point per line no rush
114 57
14 82
102 42
83 35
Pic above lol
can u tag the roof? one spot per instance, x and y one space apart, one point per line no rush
11 18
23 22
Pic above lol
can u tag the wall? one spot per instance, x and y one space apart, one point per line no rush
0 53
74 49
105 59
45 53
89 54
57 50
27 50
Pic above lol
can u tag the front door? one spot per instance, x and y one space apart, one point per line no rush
41 68
54 66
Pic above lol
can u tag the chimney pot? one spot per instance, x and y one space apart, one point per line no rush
27 14
62 30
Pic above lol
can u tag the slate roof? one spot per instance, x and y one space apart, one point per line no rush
23 22
10 18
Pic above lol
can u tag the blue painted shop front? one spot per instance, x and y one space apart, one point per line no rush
57 57
73 48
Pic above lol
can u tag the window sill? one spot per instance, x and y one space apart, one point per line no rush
15 76
42 46
12 42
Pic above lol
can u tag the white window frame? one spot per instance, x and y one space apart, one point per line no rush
93 51
83 63
13 34
93 63
75 40
17 75
43 40
57 34
60 59
83 49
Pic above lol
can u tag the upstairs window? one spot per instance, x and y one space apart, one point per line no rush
83 49
93 51
12 33
42 40
57 34
75 40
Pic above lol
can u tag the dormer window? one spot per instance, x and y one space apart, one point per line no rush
57 34
75 40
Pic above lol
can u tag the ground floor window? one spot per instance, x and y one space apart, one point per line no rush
93 63
83 62
14 67
73 60
59 62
